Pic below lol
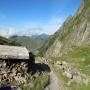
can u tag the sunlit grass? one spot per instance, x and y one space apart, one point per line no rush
38 84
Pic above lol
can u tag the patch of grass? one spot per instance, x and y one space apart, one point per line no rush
6 41
86 4
31 43
88 17
77 20
73 85
38 84
79 56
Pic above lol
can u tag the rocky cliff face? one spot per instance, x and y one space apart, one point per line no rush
74 32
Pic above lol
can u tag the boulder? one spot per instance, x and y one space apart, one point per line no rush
68 75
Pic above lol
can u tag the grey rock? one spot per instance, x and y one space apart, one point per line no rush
13 52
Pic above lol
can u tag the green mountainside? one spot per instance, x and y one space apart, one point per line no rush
74 32
5 41
68 50
42 36
31 43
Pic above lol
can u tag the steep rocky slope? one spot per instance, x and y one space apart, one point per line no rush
74 32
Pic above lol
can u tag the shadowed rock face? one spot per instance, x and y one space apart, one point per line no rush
13 52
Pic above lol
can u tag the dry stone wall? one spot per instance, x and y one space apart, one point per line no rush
14 73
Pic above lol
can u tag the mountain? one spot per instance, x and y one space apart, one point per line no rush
13 37
75 31
31 43
41 36
68 50
6 41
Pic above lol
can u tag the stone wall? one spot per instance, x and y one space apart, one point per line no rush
13 52
13 72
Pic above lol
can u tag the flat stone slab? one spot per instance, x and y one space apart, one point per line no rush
13 52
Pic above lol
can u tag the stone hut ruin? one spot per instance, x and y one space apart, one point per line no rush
13 52
14 62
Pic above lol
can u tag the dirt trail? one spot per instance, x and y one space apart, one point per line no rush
55 83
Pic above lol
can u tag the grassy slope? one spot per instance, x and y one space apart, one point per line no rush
5 41
38 84
79 57
30 43
72 86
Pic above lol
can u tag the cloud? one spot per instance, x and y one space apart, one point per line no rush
36 31
8 32
35 28
32 31
28 32
50 27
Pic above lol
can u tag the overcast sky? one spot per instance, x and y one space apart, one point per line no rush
28 17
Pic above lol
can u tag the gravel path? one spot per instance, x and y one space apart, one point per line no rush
54 82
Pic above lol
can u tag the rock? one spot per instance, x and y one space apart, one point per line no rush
14 72
64 63
69 82
13 52
68 75
58 63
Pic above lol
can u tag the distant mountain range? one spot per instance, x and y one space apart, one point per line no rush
32 43
41 36
6 41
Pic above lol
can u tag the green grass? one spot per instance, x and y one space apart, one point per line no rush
6 41
73 85
86 4
79 56
77 20
38 84
31 43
